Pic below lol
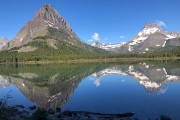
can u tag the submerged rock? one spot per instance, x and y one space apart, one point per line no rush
32 107
58 109
164 117
24 114
50 111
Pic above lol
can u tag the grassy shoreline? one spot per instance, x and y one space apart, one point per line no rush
106 60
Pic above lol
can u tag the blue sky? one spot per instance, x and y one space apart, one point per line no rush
113 21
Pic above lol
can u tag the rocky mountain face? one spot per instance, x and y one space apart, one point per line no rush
45 17
108 47
173 42
3 42
150 38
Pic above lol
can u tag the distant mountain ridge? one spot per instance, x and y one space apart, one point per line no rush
3 41
108 46
149 38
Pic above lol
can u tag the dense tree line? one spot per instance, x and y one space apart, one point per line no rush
55 55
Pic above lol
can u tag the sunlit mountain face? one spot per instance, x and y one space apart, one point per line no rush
147 89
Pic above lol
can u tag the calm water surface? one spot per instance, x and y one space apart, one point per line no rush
149 90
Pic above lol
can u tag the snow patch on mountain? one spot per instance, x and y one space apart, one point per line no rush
170 37
130 48
148 31
50 24
137 41
147 49
164 44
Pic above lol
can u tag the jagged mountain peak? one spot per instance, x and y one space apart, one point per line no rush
45 10
52 18
150 25
149 28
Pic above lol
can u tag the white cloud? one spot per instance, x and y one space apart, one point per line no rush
161 23
96 37
97 82
122 37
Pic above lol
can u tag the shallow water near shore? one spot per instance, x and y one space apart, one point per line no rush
147 89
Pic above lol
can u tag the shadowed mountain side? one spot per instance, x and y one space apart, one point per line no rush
52 90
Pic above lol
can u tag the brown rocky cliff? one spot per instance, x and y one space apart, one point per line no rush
45 17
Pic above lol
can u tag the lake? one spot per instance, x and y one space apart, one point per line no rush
147 89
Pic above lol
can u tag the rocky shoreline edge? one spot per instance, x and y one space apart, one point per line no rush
19 112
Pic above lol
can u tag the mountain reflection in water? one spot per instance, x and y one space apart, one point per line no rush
48 86
67 86
150 76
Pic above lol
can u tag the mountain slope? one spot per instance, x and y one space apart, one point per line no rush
3 42
48 35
